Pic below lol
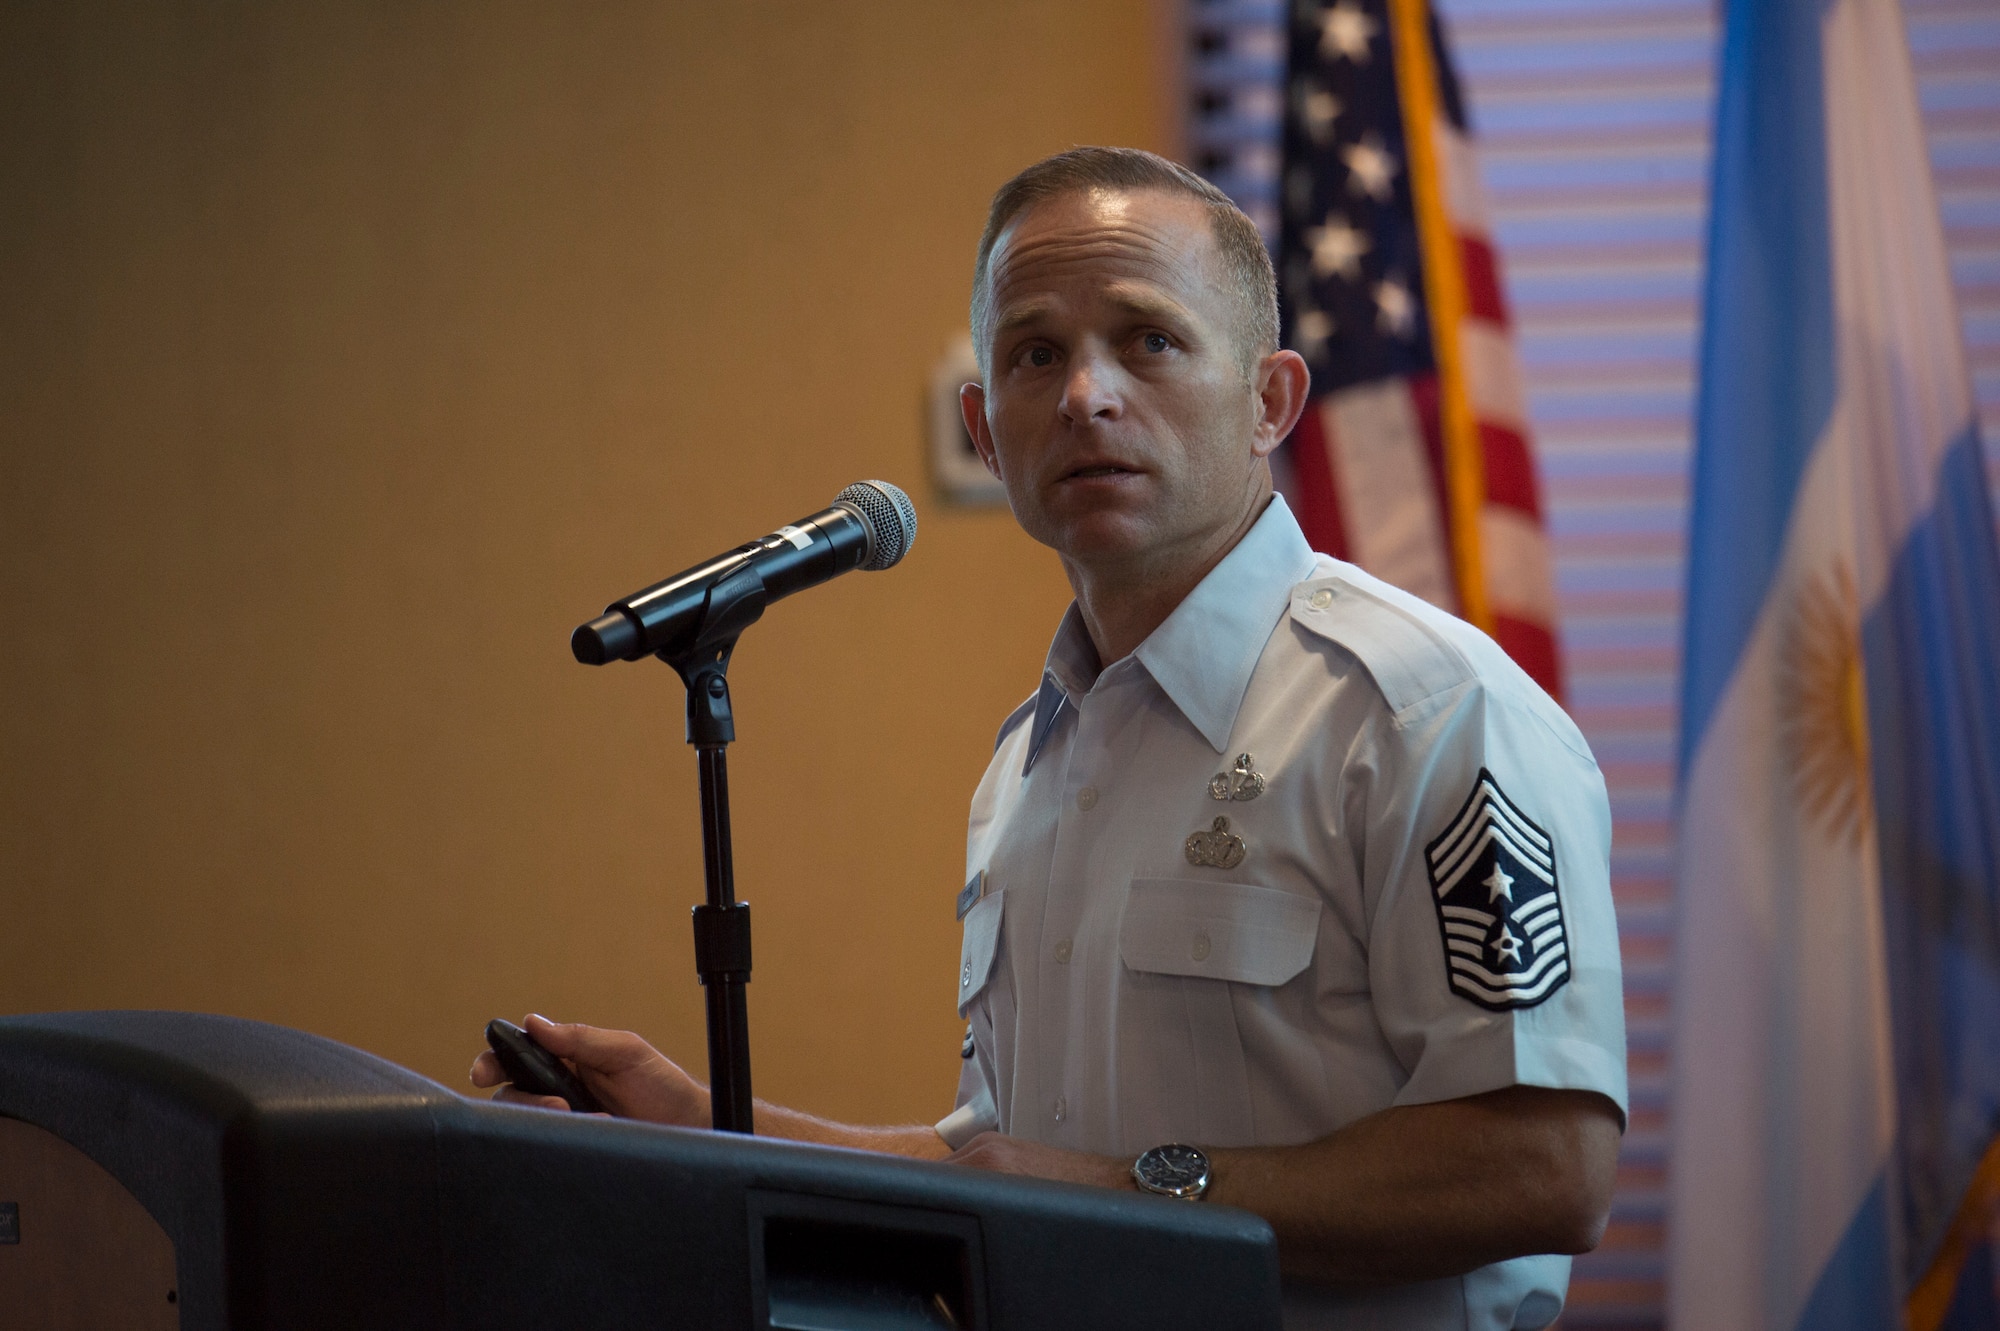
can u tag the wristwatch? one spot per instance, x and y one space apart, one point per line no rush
1173 1171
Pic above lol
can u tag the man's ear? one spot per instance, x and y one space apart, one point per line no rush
1282 384
972 406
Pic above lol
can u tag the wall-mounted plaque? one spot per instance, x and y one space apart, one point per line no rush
960 477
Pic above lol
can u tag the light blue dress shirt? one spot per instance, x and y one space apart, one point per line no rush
1421 909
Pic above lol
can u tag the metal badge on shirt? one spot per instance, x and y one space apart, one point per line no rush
1242 782
1217 848
1493 873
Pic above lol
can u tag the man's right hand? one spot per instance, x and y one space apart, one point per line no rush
635 1080
630 1077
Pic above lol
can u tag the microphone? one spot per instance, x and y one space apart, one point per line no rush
870 525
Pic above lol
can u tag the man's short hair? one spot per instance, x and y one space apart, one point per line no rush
1245 262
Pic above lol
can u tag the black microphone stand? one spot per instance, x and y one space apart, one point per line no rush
722 926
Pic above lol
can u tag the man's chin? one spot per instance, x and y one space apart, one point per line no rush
1103 539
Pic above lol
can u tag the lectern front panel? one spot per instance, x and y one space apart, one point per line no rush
227 1175
77 1250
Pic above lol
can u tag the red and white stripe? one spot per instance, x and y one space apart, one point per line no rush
1369 459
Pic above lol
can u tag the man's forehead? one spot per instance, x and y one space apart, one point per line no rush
1024 305
1107 221
1136 238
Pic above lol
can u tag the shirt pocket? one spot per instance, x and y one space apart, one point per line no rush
1219 931
976 952
1202 958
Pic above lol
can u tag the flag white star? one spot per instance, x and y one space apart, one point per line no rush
1395 311
1371 168
1508 947
1310 331
1500 883
1317 110
1337 248
1344 30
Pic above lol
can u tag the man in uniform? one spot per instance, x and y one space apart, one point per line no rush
1286 889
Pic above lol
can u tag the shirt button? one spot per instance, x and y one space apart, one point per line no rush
1200 949
1062 1109
1086 799
965 975
1320 599
1062 952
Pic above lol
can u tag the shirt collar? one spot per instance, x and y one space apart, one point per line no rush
1203 654
1070 670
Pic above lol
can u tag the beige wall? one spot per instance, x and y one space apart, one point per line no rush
350 354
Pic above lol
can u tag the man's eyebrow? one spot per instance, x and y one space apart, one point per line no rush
1140 304
1147 306
1018 316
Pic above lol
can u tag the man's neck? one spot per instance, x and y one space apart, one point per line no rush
1122 605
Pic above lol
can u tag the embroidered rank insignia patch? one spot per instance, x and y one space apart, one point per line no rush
1493 880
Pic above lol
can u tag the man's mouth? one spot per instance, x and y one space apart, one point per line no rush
1097 470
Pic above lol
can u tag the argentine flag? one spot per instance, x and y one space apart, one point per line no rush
1837 995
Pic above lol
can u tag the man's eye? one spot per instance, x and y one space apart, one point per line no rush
1039 358
1156 342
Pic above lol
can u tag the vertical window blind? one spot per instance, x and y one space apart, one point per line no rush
1592 119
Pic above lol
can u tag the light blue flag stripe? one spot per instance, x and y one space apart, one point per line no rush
1767 360
1931 649
1856 1288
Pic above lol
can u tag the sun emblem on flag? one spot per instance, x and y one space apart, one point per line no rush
1822 709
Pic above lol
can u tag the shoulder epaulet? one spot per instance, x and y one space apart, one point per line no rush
1014 718
1405 644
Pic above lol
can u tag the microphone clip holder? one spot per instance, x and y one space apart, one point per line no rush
722 925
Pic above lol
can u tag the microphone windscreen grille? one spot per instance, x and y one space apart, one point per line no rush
890 516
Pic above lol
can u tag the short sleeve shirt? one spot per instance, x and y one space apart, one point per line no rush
1314 849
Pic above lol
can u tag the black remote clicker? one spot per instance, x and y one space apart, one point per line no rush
534 1069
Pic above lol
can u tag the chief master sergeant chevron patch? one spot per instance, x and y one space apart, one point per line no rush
1493 878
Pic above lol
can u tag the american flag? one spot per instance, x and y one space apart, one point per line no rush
1413 457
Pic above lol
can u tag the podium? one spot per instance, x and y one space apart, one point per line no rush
177 1170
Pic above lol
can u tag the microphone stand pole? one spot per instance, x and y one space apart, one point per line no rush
722 926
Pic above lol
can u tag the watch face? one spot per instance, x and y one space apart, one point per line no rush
1182 1170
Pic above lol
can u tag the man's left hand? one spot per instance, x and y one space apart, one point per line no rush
1016 1155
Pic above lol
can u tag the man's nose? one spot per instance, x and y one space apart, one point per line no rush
1091 392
